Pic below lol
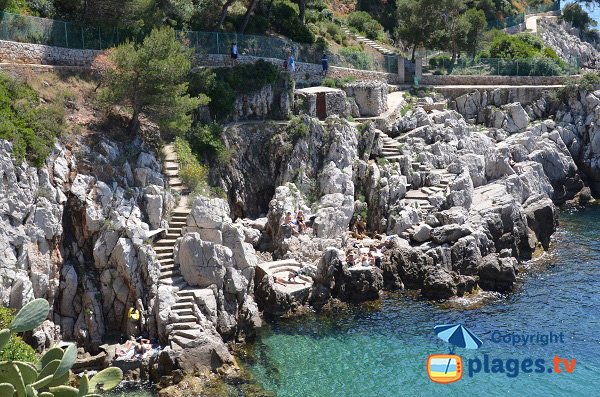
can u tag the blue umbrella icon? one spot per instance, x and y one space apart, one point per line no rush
458 336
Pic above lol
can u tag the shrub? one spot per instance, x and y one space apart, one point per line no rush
365 24
286 20
541 66
439 61
334 32
205 141
357 58
193 174
30 126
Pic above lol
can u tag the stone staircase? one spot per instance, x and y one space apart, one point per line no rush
369 42
183 326
417 198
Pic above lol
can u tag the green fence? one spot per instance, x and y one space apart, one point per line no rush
28 29
272 47
518 19
505 67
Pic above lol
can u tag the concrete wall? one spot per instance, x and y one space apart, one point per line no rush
494 80
14 52
306 73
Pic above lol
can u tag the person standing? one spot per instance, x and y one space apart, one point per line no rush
292 64
234 52
325 64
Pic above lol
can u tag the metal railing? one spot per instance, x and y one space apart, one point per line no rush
28 29
518 19
505 67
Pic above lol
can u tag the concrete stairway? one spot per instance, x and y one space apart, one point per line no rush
183 324
369 42
392 149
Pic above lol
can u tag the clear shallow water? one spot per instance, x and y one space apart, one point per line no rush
382 352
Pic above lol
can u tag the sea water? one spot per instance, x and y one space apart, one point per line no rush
382 351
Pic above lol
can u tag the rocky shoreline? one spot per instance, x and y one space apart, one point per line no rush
457 198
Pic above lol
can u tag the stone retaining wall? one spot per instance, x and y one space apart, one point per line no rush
494 80
14 52
306 73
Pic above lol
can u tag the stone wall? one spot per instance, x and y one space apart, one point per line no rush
523 94
306 73
494 80
14 52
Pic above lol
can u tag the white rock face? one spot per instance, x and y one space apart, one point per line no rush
203 263
566 42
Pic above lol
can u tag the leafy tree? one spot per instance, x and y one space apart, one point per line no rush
577 16
477 23
151 79
415 22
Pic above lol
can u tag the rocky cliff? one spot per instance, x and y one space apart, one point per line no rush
76 232
565 40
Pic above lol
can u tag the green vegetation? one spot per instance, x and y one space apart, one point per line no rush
150 78
32 127
366 25
15 349
588 82
578 17
286 20
356 57
49 375
337 82
222 84
205 142
193 174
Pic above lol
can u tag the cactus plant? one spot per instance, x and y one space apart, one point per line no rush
48 377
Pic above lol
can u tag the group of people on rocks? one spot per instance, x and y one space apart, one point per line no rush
289 64
297 225
365 256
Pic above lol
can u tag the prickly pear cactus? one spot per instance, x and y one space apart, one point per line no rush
48 377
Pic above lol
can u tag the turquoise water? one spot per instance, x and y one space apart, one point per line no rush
383 351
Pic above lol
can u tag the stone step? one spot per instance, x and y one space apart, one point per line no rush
189 325
187 318
173 236
184 298
171 158
166 261
183 305
176 232
168 267
175 182
417 195
182 342
185 312
164 255
163 249
179 218
187 292
165 242
170 273
193 333
170 165
171 173
394 159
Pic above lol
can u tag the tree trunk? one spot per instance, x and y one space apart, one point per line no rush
249 12
134 123
223 14
270 12
303 11
452 61
413 53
